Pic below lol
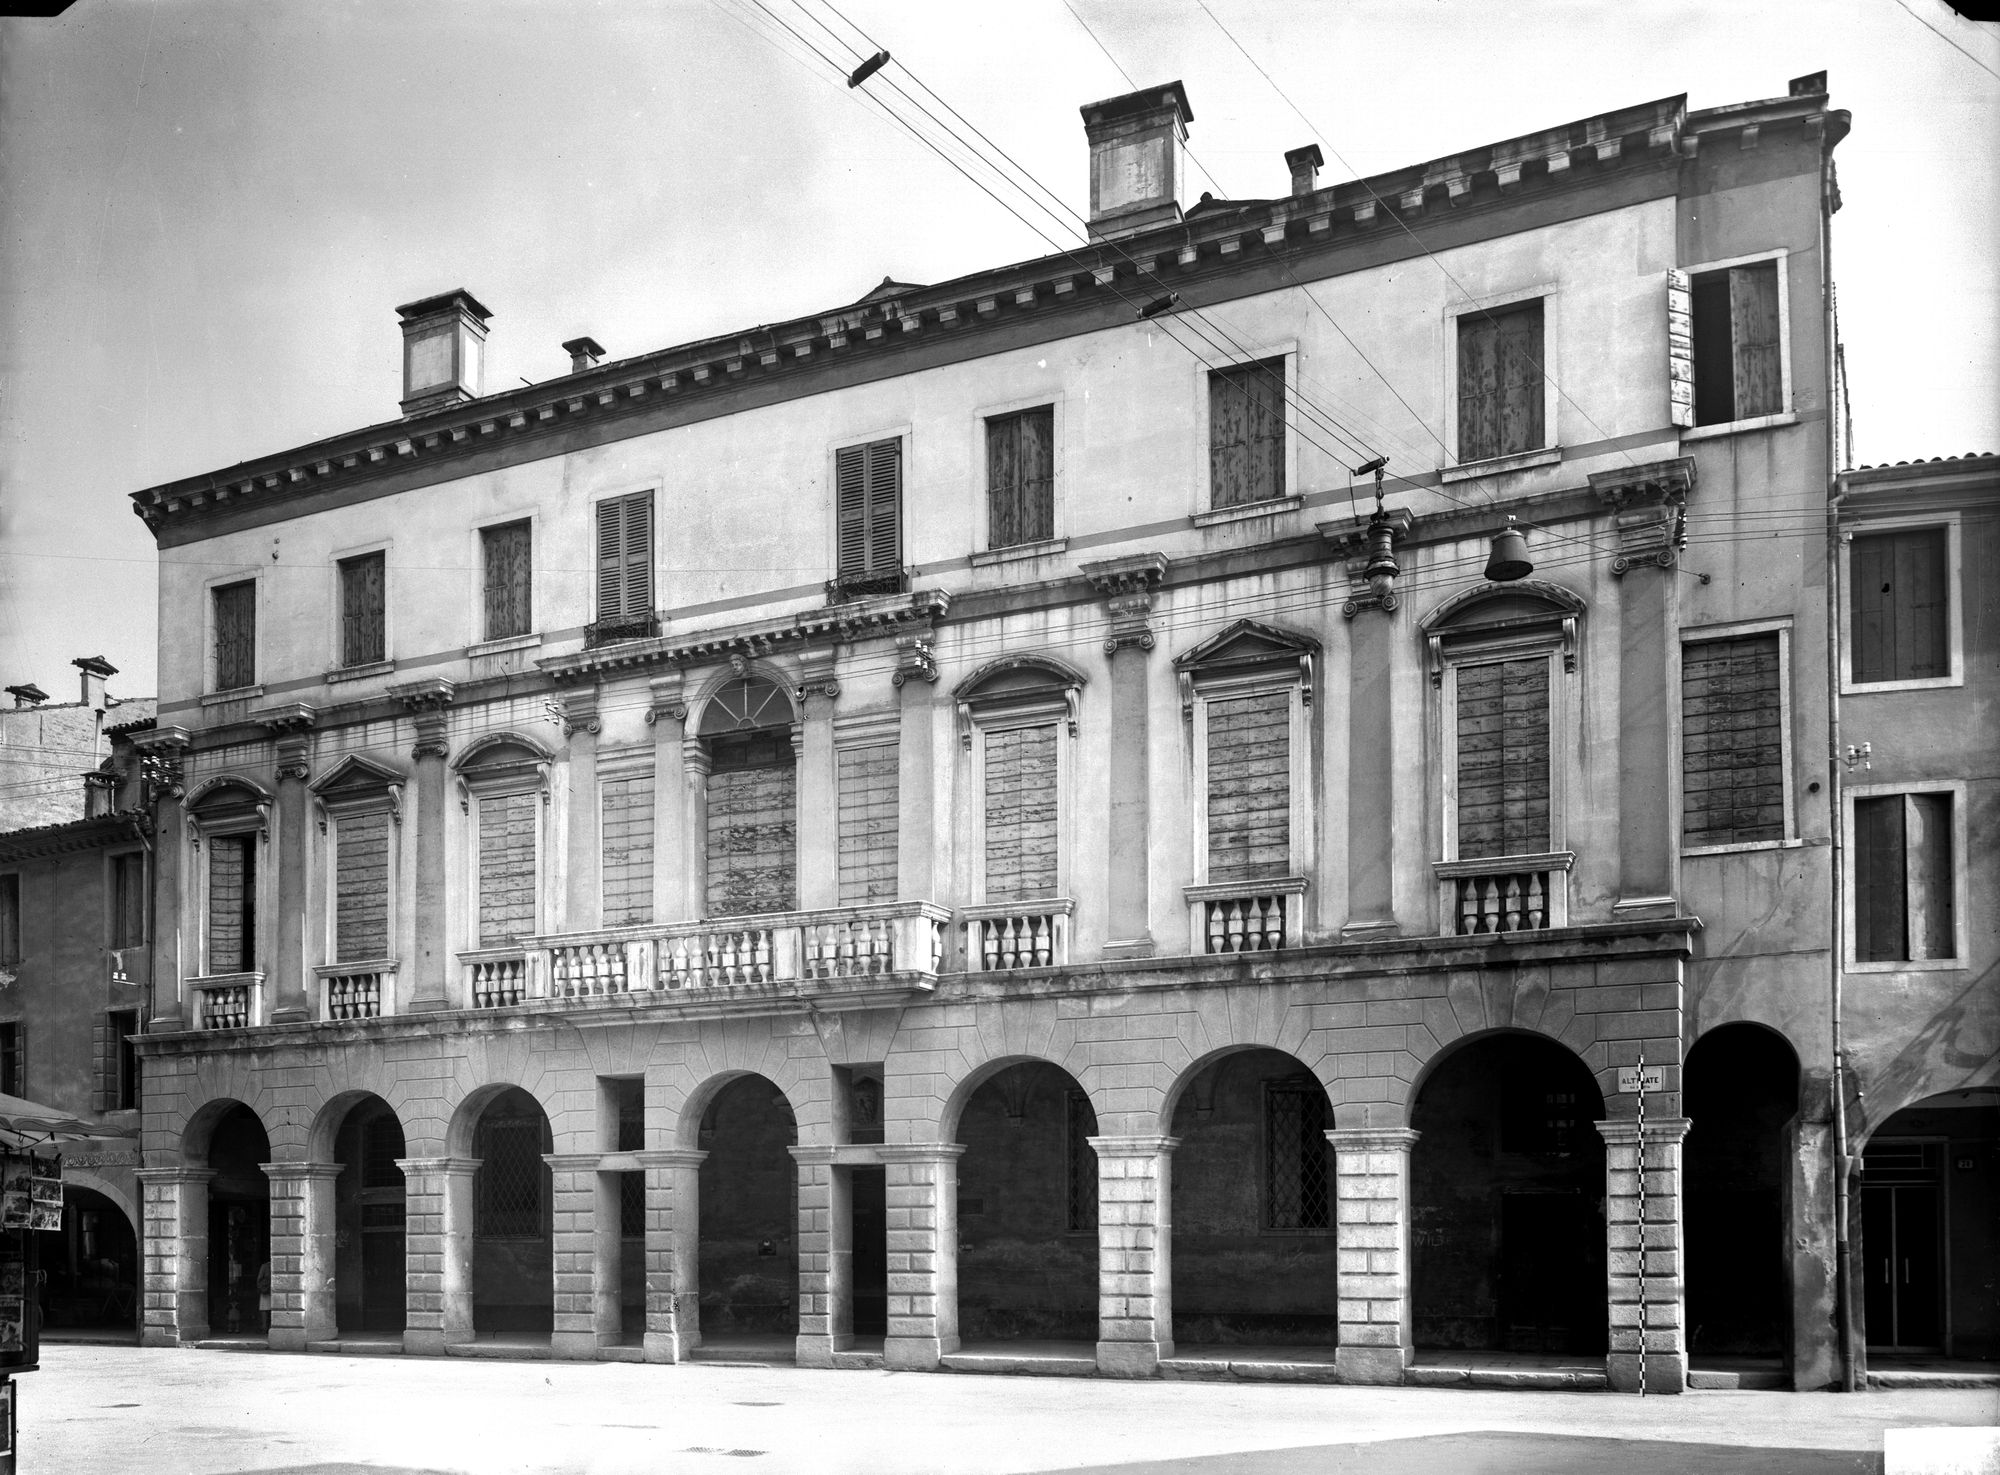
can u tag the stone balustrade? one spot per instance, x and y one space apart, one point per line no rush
1508 893
228 1000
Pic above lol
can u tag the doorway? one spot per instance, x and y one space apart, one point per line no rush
870 1198
1901 1260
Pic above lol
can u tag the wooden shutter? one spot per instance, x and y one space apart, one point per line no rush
626 835
362 638
1757 377
1020 478
361 887
1503 758
1900 599
1500 409
14 1059
128 901
236 635
752 825
868 831
507 867
1021 813
1680 348
509 590
1246 434
869 493
1732 743
1932 895
625 559
10 919
1250 786
232 903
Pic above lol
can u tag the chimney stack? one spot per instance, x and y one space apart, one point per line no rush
583 353
1305 164
27 694
96 670
444 350
1138 145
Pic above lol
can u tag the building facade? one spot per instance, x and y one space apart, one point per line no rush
964 818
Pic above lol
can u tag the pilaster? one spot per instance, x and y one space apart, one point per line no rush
673 1222
161 752
1642 1217
914 678
1128 586
302 1253
175 1239
437 1265
428 702
922 1206
826 1257
582 893
1135 1296
818 806
290 728
666 713
574 1180
1372 1222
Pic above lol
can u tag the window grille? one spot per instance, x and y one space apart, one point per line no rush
512 1193
381 1145
1081 1208
629 1100
509 558
632 1205
1295 1156
121 1060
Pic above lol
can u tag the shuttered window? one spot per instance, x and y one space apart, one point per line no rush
13 1059
118 1062
10 919
1503 758
1020 478
1901 604
1246 434
232 904
626 834
128 900
362 614
236 635
625 566
1021 813
361 887
1738 366
752 824
1732 742
869 492
506 867
866 778
1904 888
1250 786
1500 401
508 555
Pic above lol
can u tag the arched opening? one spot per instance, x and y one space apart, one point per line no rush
1507 1202
1254 1254
1027 1208
368 1212
752 793
1928 1256
90 1266
239 1226
1740 1091
513 1257
748 1260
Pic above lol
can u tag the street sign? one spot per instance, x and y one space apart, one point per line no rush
1634 1078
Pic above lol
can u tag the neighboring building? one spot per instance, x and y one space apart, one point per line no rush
1919 673
75 958
851 830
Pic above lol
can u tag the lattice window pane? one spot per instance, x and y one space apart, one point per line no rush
512 1178
1297 1177
632 1205
1081 1208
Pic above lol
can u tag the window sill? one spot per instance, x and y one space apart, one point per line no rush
1741 848
1910 965
1048 906
234 694
504 643
1915 683
1019 552
1272 508
1495 465
1737 427
361 672
366 965
1230 890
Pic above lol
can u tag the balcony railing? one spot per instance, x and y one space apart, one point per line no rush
1003 936
611 632
1506 893
1246 916
228 1000
495 977
357 990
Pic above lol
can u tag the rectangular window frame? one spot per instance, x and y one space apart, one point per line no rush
340 667
14 1057
212 671
10 918
478 792
1202 511
1299 735
1788 414
856 738
337 811
1961 923
646 620
1954 620
906 434
982 512
1267 1207
1479 651
488 640
1044 714
1697 635
620 766
122 1076
1454 466
236 828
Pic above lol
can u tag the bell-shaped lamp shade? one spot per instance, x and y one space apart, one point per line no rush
1382 567
1509 558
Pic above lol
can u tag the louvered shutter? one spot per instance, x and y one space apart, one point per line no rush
851 477
1753 322
638 559
506 867
361 610
611 561
1732 743
1021 813
1901 603
1503 758
885 495
627 839
1250 786
361 887
752 825
868 829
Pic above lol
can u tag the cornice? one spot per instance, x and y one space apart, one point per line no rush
70 836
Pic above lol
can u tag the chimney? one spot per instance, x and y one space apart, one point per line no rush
1137 152
1305 164
27 694
583 353
444 343
95 671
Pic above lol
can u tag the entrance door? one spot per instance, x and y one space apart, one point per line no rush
871 1252
382 1265
1549 1301
1899 1239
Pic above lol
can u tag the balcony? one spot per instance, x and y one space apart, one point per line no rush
227 1000
1003 936
1506 893
357 990
612 632
1246 916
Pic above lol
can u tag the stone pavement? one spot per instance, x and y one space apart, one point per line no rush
110 1410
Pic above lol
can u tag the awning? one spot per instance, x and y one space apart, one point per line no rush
30 1124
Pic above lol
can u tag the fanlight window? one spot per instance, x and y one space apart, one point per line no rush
745 705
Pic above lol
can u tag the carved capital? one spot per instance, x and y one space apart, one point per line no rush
667 699
914 657
1128 586
293 717
816 678
434 693
577 711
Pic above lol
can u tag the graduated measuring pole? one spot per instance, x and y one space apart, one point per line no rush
1638 1080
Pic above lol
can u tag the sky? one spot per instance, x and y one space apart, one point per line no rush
209 209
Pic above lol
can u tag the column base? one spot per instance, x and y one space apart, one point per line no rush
159 1336
573 1346
1131 1359
816 1349
1374 1365
424 1341
1666 1372
663 1347
287 1339
916 1354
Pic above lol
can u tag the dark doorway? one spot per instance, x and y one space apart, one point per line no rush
748 1255
513 1260
1507 1202
239 1226
369 1211
90 1267
870 1199
1900 1223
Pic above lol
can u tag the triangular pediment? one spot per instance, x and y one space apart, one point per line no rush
355 775
1247 643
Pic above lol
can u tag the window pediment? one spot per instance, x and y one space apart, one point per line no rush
357 783
1531 610
502 762
1247 650
228 804
1018 687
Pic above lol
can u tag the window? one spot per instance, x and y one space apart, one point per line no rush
752 793
1737 331
235 635
1733 761
1501 399
119 1071
232 904
1020 478
361 886
10 919
868 835
626 837
507 853
1297 1171
362 637
1246 434
1249 786
1903 853
507 553
1080 1212
1501 724
1899 606
13 1059
128 900
624 568
868 483
511 1199
1020 800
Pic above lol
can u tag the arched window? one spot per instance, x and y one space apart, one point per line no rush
745 733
